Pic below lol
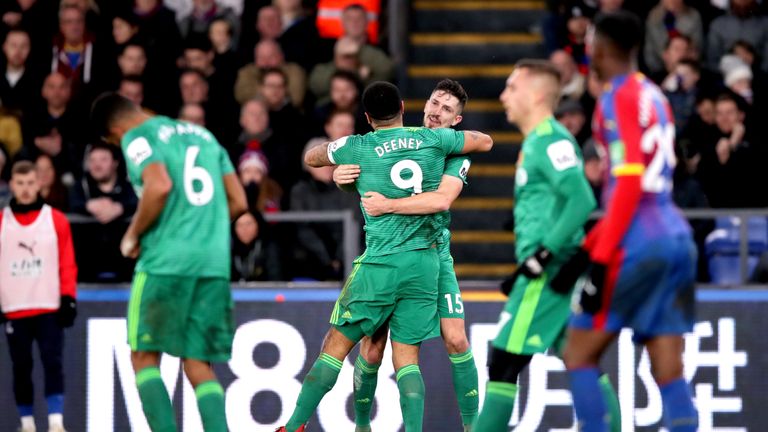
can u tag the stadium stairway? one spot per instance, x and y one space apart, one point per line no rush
476 43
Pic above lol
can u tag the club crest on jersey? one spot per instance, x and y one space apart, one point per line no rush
562 155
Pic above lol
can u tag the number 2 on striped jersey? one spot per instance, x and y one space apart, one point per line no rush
662 140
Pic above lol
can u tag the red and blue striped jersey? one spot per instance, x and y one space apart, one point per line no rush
634 125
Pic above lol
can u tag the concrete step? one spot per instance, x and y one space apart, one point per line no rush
477 16
483 270
474 48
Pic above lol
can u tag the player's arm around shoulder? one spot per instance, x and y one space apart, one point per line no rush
476 142
376 204
337 152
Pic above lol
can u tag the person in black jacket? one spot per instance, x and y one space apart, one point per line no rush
106 196
255 254
19 83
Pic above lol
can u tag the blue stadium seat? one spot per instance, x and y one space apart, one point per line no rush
722 248
724 269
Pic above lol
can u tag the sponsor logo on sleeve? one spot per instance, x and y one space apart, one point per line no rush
562 155
138 150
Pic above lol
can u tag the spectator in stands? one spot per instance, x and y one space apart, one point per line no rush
574 84
283 116
77 55
354 22
38 18
205 12
263 193
322 242
52 190
132 59
737 76
594 167
109 198
682 88
55 130
220 120
345 96
578 18
11 138
125 27
268 54
282 153
729 162
132 88
193 113
299 39
225 58
160 34
19 84
667 20
741 23
37 293
678 47
255 255
349 55
94 21
158 24
269 23
571 114
199 55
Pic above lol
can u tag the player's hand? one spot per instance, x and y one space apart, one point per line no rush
533 266
346 174
129 245
376 204
592 292
570 272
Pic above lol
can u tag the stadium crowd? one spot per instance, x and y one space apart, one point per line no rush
269 87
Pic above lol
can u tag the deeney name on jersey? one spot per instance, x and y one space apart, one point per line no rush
397 144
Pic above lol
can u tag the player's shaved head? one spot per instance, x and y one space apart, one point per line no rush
382 102
108 110
544 77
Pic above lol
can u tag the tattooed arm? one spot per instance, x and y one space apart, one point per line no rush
475 142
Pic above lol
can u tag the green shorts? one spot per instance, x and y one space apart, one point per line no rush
449 304
398 289
534 318
187 317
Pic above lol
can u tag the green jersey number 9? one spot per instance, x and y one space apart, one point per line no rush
417 177
192 173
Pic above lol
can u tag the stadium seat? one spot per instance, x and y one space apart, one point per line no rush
725 270
722 248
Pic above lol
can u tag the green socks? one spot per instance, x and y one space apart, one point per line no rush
611 402
155 401
210 402
411 386
465 385
317 383
364 386
497 408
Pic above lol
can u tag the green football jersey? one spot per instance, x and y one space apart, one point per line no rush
455 166
549 173
399 162
192 235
